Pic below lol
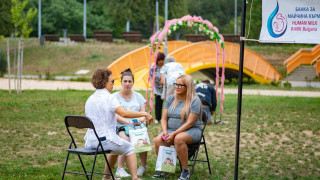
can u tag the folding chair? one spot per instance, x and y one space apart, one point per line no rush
81 122
193 149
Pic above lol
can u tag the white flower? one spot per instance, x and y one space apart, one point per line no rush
174 28
211 36
180 22
169 32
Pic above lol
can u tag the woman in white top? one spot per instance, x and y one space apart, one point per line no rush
101 107
129 100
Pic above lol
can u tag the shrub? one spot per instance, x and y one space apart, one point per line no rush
234 81
287 84
274 83
3 63
245 80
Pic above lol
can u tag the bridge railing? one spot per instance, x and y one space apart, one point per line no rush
205 53
139 59
303 56
318 67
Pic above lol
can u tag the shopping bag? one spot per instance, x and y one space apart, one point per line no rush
139 138
167 159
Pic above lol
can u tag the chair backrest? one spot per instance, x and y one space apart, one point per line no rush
78 122
204 119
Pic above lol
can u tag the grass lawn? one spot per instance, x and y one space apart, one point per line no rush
279 137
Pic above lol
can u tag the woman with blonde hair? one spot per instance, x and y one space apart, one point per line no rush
180 122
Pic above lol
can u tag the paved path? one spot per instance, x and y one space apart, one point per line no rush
63 85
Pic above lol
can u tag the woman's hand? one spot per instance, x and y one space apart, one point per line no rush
170 138
149 118
142 119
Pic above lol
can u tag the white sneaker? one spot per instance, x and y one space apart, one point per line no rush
156 121
141 170
122 173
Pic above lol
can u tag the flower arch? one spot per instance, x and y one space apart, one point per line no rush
203 26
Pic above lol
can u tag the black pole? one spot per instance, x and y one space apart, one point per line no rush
243 28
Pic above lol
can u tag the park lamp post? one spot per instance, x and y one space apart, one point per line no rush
242 41
39 19
85 18
165 22
157 15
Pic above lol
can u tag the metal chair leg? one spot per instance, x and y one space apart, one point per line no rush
195 160
105 157
205 148
84 169
65 166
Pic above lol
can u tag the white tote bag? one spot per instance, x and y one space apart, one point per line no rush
139 138
167 159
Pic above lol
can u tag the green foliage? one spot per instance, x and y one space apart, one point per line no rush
273 137
3 63
287 84
20 19
5 17
274 83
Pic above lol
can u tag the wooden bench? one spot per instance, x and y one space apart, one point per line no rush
195 37
51 37
132 36
77 37
231 37
102 35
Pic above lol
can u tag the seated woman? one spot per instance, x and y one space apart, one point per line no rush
180 122
101 107
129 100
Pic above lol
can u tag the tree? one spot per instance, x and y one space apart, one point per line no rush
5 18
21 21
3 63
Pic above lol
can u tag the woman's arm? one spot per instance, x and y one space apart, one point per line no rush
162 79
142 109
189 123
132 114
123 120
164 121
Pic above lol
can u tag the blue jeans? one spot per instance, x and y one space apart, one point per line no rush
207 110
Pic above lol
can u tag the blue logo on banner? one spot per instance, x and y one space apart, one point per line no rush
276 23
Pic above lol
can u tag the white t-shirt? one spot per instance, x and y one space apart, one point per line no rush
171 72
133 104
100 108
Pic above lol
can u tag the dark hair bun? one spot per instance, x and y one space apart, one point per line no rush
126 70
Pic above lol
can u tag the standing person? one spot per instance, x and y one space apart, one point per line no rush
101 107
169 74
180 122
158 87
207 95
129 100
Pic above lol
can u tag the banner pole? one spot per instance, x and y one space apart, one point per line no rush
243 28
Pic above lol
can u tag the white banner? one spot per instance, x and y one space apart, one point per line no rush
290 21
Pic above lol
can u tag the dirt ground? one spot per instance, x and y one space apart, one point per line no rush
64 85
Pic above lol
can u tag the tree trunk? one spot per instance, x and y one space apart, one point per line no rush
21 63
8 59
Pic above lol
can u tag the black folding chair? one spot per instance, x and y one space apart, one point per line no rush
81 122
193 149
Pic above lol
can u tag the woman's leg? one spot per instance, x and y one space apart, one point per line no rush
132 165
158 107
121 158
112 159
180 143
143 158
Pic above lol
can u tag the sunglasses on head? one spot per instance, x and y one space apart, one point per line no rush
179 85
